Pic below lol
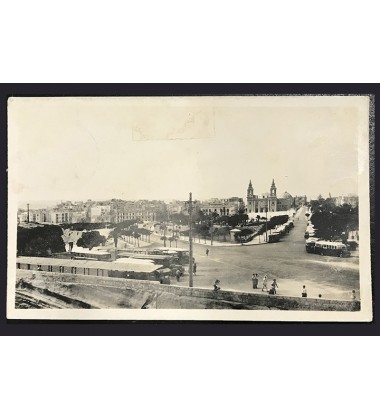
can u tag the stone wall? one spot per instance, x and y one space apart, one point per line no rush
196 295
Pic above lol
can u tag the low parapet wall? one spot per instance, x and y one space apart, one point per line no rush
249 300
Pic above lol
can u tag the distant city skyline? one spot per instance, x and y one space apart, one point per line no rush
40 204
162 148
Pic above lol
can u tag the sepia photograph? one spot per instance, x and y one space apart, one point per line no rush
225 208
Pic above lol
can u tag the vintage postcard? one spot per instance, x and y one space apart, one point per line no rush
232 208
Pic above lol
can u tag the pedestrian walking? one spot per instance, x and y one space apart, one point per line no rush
304 291
265 284
274 286
255 281
353 295
195 268
216 285
207 251
177 275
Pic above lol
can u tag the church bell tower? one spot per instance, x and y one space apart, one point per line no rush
250 197
273 189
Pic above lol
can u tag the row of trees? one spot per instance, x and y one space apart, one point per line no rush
170 234
132 235
201 217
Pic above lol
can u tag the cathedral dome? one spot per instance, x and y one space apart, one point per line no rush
286 195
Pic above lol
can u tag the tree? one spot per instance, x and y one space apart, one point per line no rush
243 218
180 218
214 215
222 220
144 232
203 231
223 231
91 239
244 234
39 240
85 226
126 224
136 235
330 224
162 215
233 220
127 233
164 238
241 208
200 217
115 235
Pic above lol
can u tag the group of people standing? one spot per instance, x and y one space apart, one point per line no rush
255 283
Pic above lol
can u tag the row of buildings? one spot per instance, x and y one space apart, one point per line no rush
116 211
111 211
351 199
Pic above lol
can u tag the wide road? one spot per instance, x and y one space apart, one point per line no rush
287 261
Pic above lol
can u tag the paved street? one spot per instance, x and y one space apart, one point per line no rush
287 261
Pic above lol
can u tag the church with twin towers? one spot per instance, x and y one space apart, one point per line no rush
269 201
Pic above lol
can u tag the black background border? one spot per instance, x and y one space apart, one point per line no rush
198 328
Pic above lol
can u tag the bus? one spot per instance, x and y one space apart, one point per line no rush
335 249
182 254
310 244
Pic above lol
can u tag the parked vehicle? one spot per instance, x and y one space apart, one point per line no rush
352 245
335 249
182 254
274 237
310 245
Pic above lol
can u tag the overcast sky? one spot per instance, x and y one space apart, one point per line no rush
163 148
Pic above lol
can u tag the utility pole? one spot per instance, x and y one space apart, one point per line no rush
28 214
266 223
190 207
